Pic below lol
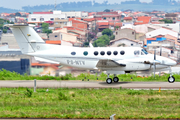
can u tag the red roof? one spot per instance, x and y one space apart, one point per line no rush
107 13
142 20
127 18
53 42
42 12
48 21
89 19
70 19
55 66
151 38
115 24
103 23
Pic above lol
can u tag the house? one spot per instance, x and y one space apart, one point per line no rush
125 33
60 23
171 16
124 42
63 35
171 26
109 16
76 23
128 19
143 20
44 69
13 60
161 31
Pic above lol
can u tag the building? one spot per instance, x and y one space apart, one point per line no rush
125 42
14 61
142 20
40 17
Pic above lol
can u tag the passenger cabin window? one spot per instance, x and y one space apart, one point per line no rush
108 52
73 53
136 52
85 53
115 52
102 53
96 53
122 52
33 19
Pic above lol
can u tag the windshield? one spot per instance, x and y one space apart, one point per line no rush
144 51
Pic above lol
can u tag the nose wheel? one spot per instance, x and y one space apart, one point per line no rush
171 79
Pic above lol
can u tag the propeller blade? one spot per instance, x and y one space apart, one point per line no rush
161 51
154 68
155 54
154 64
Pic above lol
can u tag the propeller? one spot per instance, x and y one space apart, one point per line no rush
154 63
161 51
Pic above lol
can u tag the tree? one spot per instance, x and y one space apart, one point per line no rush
4 31
86 44
112 37
117 27
102 41
107 10
107 31
45 26
167 21
1 26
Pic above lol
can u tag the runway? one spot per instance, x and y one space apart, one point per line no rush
88 84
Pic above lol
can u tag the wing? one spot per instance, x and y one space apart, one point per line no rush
106 63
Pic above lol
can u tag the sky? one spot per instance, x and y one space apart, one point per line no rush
17 4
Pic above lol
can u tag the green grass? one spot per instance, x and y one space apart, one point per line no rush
89 103
7 75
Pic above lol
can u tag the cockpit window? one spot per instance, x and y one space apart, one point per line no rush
144 51
136 52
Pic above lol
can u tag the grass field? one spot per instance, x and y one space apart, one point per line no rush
88 103
7 75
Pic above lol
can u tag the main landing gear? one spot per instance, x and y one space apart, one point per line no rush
109 80
171 79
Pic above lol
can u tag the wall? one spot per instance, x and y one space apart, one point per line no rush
125 41
125 33
21 66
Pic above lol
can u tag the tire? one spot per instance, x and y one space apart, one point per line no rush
116 79
171 79
109 81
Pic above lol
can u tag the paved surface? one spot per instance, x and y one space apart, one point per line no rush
89 84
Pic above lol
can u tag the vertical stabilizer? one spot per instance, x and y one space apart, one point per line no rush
25 35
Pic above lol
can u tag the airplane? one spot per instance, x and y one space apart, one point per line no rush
113 60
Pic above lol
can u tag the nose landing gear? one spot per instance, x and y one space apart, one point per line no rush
171 79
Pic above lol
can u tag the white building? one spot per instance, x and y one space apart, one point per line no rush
55 14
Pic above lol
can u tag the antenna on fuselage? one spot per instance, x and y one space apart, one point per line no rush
90 45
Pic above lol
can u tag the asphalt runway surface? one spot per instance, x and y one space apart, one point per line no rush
88 84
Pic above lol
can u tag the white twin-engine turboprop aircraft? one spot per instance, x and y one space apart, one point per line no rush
113 60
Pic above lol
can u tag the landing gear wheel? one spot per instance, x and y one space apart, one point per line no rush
171 79
109 81
116 79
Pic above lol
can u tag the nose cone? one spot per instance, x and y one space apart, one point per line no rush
170 62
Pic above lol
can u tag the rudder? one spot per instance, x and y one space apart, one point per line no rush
25 35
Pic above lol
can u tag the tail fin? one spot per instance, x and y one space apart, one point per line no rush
25 35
